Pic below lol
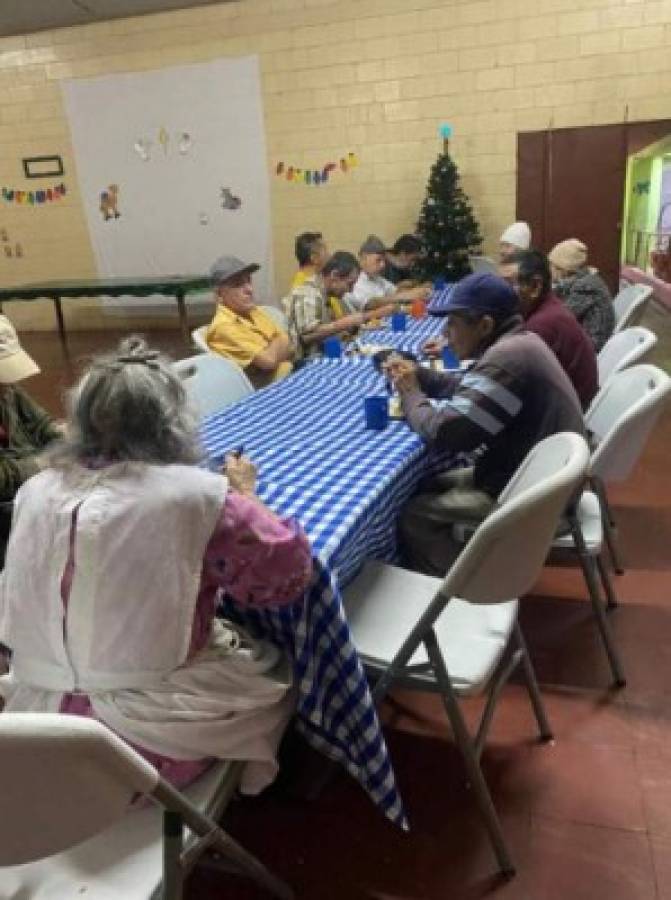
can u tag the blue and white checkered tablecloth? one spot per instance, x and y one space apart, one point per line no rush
416 333
438 300
346 486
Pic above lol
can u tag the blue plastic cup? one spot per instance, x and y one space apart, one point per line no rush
399 320
450 361
376 410
332 348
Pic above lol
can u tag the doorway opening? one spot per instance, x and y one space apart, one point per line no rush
646 237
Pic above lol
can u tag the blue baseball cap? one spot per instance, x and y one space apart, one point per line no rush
482 293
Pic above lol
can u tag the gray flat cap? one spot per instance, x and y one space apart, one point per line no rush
372 244
228 266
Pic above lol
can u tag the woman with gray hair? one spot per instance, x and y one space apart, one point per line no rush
120 549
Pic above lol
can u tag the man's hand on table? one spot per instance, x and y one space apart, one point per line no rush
434 346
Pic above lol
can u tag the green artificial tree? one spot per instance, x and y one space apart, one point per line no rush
447 224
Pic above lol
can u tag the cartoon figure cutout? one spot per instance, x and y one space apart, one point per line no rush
108 202
229 200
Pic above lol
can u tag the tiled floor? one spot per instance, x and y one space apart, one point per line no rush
587 817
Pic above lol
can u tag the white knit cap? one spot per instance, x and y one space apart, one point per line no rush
518 234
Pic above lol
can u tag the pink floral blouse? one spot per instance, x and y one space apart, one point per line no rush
257 559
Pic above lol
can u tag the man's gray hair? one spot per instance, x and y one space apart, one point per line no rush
130 406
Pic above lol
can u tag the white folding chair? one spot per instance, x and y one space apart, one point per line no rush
452 635
277 315
212 381
623 349
198 338
68 829
619 422
630 304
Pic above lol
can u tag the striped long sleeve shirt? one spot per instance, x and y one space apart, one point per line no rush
512 397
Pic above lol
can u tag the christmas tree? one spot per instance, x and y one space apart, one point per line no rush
447 224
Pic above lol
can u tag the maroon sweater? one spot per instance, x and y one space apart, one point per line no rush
560 330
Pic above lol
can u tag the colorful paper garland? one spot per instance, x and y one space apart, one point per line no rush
33 198
316 176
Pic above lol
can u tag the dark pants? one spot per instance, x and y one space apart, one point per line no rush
427 522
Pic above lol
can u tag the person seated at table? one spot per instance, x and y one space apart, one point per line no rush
243 332
514 395
309 312
528 273
372 289
311 252
515 237
25 429
401 261
583 290
120 550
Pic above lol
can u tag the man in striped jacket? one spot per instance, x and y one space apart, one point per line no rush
513 395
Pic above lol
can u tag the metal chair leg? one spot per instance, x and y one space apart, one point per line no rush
544 727
611 599
465 745
589 571
172 856
608 525
217 839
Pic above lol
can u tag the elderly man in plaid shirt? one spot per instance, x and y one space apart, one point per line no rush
309 311
514 395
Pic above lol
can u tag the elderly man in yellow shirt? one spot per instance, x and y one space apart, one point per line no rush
243 332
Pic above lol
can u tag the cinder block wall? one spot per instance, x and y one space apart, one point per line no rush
372 76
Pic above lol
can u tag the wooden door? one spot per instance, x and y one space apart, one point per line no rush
582 171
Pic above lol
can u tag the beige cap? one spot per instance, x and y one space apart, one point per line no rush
15 364
569 255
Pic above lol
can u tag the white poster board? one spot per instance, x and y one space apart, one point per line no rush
185 146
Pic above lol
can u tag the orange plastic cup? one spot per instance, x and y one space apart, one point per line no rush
418 309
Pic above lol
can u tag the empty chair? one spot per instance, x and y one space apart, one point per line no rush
68 828
630 305
212 381
623 349
277 315
452 635
198 337
619 422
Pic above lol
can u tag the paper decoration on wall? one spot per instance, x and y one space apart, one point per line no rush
164 140
10 252
108 202
229 200
642 187
143 149
185 143
42 166
316 176
142 146
204 219
33 198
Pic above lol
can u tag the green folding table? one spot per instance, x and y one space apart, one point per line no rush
177 286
